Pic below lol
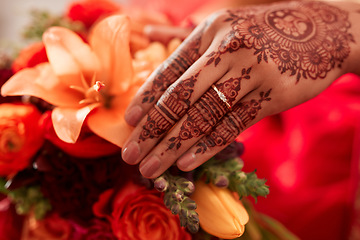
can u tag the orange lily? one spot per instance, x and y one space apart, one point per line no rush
94 81
220 212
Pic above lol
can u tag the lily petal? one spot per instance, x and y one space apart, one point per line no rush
68 121
69 55
41 81
110 125
110 41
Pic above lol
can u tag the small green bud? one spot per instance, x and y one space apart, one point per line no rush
242 176
262 191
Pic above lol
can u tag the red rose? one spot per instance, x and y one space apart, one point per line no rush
99 230
52 227
89 11
88 144
139 213
30 57
20 137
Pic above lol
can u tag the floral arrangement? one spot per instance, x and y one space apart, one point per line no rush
61 115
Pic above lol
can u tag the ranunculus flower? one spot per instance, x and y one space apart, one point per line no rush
20 137
94 81
30 56
220 212
50 228
139 213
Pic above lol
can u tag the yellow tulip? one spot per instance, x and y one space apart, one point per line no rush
220 212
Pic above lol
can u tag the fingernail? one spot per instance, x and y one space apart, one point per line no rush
131 153
133 115
148 168
186 161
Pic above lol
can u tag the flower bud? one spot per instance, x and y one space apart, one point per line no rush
220 212
178 195
175 208
189 204
188 187
221 181
161 184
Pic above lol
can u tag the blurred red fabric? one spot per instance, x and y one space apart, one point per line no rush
310 157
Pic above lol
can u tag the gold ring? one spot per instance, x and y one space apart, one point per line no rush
221 96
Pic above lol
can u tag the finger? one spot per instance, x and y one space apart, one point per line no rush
170 108
245 113
199 120
166 74
164 33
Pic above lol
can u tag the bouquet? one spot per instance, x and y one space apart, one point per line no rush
62 128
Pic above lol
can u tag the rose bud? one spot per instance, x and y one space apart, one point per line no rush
220 212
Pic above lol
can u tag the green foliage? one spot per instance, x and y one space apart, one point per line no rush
26 199
42 20
230 172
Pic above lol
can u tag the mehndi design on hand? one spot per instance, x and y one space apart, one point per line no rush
233 123
208 110
306 39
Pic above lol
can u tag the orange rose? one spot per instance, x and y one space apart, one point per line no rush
139 213
20 136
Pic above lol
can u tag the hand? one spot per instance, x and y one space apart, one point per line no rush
234 69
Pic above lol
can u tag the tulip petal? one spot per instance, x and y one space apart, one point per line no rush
219 212
69 55
110 125
41 82
110 41
68 121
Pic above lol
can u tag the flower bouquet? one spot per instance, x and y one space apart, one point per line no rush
62 129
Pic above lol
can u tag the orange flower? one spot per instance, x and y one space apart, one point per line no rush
94 81
20 137
220 212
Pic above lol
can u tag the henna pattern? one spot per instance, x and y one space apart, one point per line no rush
174 67
233 124
306 39
169 109
208 110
